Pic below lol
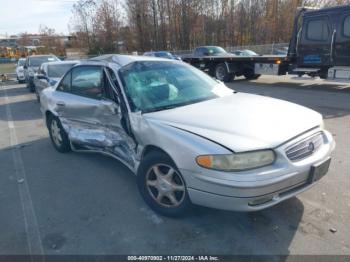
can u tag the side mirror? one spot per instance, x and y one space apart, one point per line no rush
41 77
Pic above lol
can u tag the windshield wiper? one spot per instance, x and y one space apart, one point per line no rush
176 105
159 108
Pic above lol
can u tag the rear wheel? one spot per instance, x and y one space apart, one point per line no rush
37 95
31 86
58 136
162 186
249 74
324 75
222 74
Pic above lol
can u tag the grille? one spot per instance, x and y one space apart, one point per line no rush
305 148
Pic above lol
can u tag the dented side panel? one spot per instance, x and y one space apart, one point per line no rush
95 125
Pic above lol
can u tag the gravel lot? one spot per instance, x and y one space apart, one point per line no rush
54 203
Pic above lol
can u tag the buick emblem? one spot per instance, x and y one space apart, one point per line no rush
311 147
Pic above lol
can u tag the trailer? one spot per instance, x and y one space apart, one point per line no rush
319 46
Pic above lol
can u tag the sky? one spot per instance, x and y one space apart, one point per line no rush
19 16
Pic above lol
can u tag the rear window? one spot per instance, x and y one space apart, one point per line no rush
57 71
37 61
346 27
317 30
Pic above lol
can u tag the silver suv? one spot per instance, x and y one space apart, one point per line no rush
32 65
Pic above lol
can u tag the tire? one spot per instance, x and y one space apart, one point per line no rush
153 180
37 95
250 75
222 74
324 75
31 86
59 137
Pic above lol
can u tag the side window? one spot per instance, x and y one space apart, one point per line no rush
87 81
346 26
65 85
317 30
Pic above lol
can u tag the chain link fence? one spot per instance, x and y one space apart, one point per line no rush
269 49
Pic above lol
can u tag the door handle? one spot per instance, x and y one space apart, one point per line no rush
61 104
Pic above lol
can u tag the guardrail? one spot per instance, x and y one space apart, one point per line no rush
6 60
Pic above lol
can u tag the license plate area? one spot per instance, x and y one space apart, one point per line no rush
319 170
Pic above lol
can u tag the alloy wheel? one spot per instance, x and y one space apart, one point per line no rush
220 73
165 185
56 133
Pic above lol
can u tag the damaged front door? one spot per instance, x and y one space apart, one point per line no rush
89 110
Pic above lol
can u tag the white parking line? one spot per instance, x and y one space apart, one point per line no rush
30 220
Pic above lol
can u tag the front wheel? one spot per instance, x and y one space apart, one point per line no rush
37 95
162 186
31 86
222 73
58 136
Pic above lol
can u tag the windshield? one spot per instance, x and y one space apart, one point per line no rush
249 53
153 86
163 54
215 50
57 71
21 62
37 61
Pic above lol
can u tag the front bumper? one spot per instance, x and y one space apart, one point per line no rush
256 189
21 77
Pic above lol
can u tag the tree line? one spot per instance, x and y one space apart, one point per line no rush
105 26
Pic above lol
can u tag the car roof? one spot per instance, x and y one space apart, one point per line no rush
117 61
62 62
208 46
327 10
40 55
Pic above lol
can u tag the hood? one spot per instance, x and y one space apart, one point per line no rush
241 122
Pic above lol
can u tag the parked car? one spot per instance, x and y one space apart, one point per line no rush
245 52
20 70
280 51
162 54
210 51
50 73
187 137
32 65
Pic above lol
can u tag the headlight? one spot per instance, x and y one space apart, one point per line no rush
237 162
322 125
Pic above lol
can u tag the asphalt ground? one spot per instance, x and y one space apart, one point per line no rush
88 204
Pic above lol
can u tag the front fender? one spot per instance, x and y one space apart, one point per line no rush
182 146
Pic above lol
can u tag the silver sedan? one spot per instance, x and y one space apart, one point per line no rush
187 137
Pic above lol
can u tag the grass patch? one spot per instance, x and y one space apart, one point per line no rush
7 68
